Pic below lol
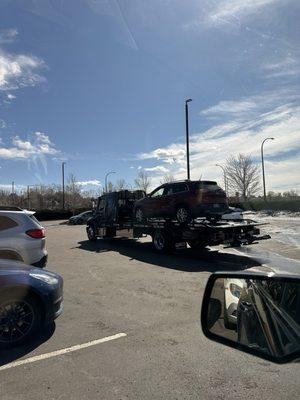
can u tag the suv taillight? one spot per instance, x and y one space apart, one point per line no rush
36 233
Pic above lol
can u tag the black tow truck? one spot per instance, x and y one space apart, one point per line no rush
114 217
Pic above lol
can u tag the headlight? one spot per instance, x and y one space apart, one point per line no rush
51 280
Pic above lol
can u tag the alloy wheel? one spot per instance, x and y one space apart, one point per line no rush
16 320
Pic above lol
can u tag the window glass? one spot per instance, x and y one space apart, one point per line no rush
158 192
179 187
6 223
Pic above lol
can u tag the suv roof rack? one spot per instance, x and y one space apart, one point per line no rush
10 208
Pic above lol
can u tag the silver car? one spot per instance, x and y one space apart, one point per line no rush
22 237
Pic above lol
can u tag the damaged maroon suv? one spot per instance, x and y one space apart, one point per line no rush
183 200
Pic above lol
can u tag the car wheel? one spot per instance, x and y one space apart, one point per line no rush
197 244
139 215
163 242
20 318
91 233
183 214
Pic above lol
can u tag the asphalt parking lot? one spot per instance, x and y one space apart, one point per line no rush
124 287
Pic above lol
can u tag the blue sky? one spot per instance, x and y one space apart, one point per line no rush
101 84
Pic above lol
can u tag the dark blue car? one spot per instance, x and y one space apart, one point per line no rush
30 298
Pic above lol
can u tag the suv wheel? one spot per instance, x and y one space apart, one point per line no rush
91 233
139 215
183 215
20 318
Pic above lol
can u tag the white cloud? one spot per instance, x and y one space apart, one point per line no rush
17 71
92 182
158 169
8 35
11 96
37 145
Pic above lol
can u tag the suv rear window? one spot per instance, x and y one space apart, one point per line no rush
6 223
34 219
210 185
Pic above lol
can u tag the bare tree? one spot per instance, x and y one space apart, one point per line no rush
167 179
73 190
243 175
142 181
121 184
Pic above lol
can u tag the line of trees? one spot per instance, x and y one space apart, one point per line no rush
242 182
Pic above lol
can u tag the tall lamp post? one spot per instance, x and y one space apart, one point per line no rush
28 194
225 178
63 183
263 165
187 137
110 172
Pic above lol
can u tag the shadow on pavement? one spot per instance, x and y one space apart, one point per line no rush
188 260
11 354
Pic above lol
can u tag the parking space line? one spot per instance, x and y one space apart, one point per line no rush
61 351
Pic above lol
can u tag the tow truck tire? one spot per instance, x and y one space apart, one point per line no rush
183 214
163 242
91 233
197 244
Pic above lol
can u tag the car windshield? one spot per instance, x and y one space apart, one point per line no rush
155 142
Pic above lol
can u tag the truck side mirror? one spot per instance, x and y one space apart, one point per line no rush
254 312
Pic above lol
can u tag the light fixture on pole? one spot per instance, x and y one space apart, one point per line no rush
110 172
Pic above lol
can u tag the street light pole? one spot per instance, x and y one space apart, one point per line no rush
63 183
110 172
263 164
225 178
187 137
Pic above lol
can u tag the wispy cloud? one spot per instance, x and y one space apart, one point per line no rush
8 35
289 67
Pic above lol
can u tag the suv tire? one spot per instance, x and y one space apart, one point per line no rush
183 214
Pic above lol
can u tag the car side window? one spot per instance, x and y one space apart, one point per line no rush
6 223
179 187
158 192
169 190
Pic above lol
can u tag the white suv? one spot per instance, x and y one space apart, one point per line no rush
22 237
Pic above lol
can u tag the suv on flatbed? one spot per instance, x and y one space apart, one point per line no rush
183 200
22 238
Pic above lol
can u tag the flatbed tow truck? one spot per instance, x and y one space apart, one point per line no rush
113 217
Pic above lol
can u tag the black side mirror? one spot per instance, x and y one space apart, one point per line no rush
254 312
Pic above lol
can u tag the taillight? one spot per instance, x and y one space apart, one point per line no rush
36 233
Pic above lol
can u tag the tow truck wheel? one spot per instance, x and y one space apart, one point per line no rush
183 215
91 233
163 242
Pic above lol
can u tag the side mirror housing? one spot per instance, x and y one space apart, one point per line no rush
257 313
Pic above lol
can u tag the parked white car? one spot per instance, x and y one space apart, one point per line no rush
22 237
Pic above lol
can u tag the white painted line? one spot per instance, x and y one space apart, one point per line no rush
61 351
